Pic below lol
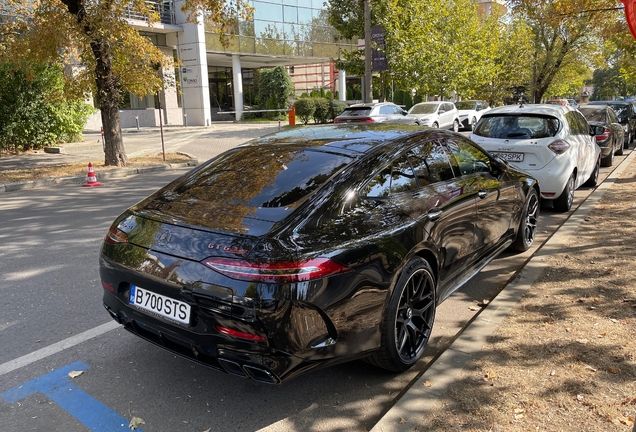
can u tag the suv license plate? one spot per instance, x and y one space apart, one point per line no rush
159 304
510 157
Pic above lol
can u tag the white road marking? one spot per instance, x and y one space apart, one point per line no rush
57 347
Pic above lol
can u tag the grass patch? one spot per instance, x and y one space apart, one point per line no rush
79 168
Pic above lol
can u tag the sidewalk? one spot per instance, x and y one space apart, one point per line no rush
556 349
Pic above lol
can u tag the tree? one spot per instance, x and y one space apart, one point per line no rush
112 55
564 32
34 111
275 85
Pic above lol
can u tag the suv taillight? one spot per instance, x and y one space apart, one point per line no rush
602 137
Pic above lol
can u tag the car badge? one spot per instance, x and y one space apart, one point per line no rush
163 238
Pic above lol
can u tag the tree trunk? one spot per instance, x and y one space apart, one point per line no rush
108 100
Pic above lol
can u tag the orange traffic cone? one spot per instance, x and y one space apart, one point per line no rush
92 181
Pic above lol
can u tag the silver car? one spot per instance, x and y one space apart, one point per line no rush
383 112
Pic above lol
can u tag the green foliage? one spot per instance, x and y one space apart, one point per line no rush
322 112
305 108
314 94
408 100
34 111
417 99
304 95
275 87
335 108
328 94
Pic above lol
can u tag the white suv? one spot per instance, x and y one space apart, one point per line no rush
442 115
553 143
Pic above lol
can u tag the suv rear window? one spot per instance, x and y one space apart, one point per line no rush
356 112
517 126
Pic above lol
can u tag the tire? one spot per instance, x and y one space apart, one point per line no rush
435 125
593 180
472 124
528 223
408 319
564 202
608 160
619 152
455 126
629 140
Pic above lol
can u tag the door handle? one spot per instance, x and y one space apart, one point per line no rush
482 194
434 214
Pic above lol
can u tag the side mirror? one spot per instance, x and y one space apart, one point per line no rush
442 111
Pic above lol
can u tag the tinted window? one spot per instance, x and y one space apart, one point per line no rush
395 178
252 178
517 127
584 127
430 163
621 111
469 158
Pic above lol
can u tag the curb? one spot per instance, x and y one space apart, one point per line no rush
418 399
124 172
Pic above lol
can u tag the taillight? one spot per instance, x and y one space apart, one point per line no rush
279 272
559 146
366 120
116 236
602 137
240 334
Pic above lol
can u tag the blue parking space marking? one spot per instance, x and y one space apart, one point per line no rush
58 387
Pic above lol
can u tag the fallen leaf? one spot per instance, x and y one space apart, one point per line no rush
519 411
582 341
602 335
427 384
402 421
613 370
75 374
38 341
491 375
590 368
629 421
207 430
135 422
473 308
613 320
553 373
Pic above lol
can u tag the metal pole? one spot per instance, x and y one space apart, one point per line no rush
368 92
163 148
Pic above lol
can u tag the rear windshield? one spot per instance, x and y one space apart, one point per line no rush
621 111
517 126
250 181
423 109
593 114
356 112
466 105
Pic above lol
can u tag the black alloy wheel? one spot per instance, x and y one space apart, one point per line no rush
409 318
528 224
564 202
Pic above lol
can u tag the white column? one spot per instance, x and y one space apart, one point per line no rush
237 85
194 69
342 85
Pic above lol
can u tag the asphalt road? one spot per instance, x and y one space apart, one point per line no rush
52 322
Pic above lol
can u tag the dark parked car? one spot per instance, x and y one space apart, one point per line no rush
609 133
626 112
383 112
314 246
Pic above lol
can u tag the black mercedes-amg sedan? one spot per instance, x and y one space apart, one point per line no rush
313 246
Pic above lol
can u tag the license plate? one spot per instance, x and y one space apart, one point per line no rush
510 157
159 304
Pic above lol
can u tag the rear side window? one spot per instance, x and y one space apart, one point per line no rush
430 162
395 178
517 127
